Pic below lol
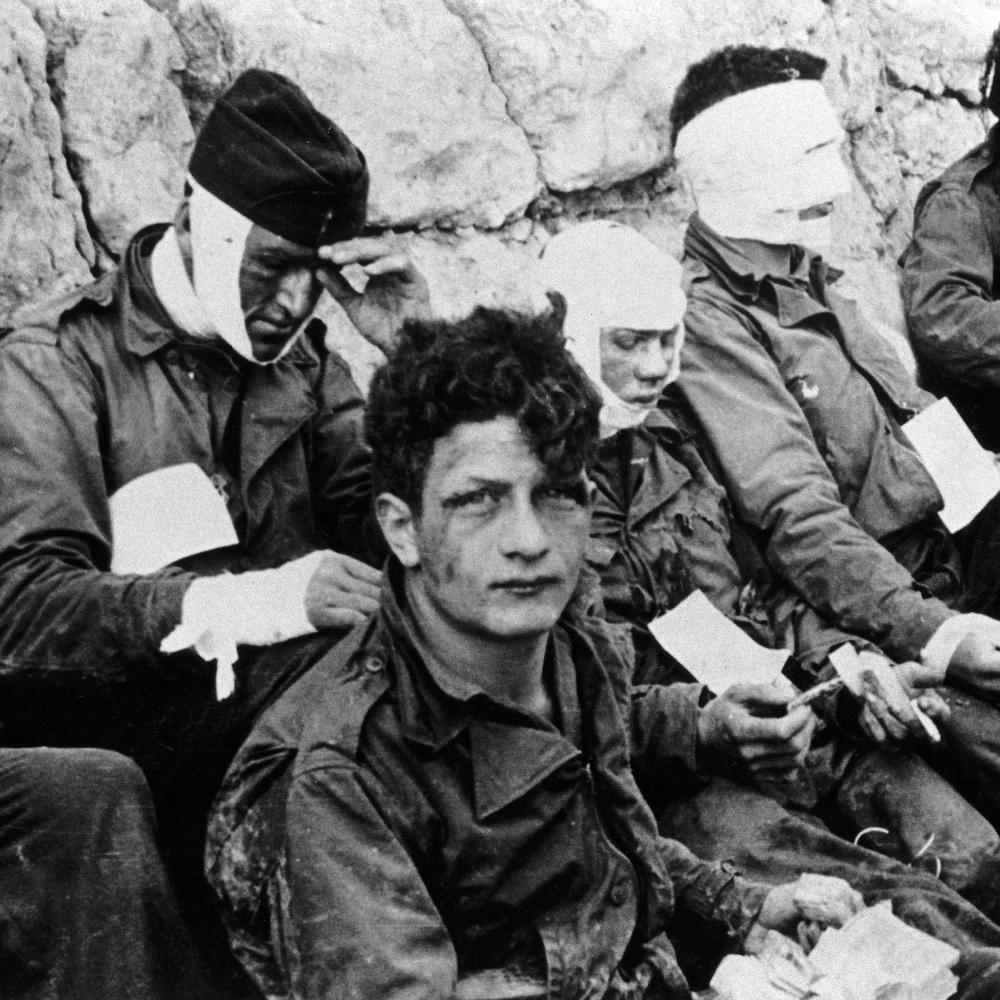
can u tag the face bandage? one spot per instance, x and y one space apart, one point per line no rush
218 242
611 277
756 159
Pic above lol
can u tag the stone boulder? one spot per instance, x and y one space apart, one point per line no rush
126 130
405 80
44 247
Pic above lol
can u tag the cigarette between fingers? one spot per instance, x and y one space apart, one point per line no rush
933 733
808 697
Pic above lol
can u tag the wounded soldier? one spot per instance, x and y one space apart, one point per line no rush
451 789
802 403
662 529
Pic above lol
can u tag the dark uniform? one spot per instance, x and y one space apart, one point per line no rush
112 391
661 529
801 404
108 391
377 837
950 285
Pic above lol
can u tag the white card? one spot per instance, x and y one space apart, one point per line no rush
164 516
712 648
965 473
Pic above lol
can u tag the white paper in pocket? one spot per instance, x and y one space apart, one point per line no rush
964 472
164 516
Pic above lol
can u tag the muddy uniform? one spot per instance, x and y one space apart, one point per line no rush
108 392
375 832
662 529
801 404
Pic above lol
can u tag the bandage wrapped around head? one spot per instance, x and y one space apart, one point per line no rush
755 159
612 277
266 156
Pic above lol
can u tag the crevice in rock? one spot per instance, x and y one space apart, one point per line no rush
963 99
532 141
54 71
199 88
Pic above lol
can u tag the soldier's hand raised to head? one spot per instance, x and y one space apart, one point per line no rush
376 283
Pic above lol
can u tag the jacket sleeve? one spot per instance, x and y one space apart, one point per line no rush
779 484
948 288
358 921
341 471
663 739
65 616
711 895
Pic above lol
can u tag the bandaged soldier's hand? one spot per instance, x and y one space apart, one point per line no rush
890 696
751 722
341 592
966 648
975 664
377 285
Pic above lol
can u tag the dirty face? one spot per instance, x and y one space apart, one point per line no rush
636 364
500 539
278 290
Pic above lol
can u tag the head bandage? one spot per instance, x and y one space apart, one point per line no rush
612 277
218 242
754 160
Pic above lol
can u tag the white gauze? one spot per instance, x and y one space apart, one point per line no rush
755 159
218 241
612 277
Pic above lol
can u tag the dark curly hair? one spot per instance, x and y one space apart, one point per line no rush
734 69
989 85
494 363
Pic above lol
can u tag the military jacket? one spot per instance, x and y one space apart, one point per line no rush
377 838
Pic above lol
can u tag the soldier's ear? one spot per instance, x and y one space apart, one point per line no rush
182 226
398 525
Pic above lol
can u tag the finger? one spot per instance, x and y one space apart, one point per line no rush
781 730
351 587
338 618
871 727
361 570
765 769
335 283
351 600
916 676
759 694
396 264
361 250
934 706
757 755
894 728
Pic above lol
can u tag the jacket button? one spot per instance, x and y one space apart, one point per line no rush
619 892
374 663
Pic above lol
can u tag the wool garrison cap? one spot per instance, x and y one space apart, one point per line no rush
267 152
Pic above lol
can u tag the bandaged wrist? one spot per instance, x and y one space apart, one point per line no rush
258 608
940 649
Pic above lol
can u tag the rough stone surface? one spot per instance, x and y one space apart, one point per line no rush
586 81
406 81
127 134
488 124
43 242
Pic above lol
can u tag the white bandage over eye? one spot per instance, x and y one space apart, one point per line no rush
755 160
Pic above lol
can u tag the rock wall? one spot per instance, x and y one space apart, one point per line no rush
488 124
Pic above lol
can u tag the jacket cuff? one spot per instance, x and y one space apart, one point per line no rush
677 705
721 896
